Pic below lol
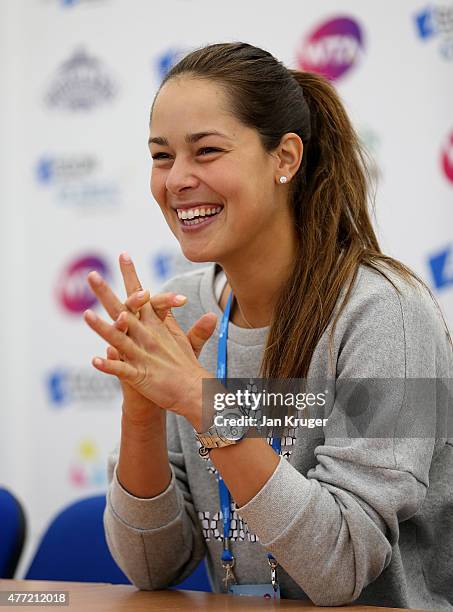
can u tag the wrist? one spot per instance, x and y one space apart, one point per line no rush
143 429
193 404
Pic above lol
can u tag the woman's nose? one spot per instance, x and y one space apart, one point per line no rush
180 177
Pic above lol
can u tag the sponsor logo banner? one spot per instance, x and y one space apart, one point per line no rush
87 468
82 83
441 267
332 48
76 181
73 292
68 386
436 22
447 158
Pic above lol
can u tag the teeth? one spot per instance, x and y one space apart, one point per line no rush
193 213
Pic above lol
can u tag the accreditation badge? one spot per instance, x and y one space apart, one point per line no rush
266 591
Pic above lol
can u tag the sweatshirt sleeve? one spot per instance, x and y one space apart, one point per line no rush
157 542
336 525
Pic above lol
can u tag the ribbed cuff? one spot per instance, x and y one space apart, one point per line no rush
145 513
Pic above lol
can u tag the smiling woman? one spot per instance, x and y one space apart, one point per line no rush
224 165
259 173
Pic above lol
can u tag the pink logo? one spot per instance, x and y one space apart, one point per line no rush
73 291
447 158
332 48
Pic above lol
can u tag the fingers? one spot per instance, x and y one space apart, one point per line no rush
124 371
161 302
127 323
136 302
201 331
105 295
133 285
116 338
112 353
131 280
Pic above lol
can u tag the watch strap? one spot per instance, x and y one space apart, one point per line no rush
212 439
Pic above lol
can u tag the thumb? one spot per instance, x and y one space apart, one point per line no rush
201 331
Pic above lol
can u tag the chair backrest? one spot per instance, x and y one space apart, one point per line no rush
12 533
197 581
74 548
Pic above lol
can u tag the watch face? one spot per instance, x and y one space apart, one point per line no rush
231 424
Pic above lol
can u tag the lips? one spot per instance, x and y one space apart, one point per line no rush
197 223
198 205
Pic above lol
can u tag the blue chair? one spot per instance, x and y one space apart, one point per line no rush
12 533
197 581
74 549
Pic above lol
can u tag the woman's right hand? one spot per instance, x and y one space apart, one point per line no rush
137 409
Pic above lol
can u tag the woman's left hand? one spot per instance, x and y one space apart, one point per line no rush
160 364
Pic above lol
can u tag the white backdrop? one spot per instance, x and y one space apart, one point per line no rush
78 78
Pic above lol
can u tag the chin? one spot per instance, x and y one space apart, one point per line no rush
197 258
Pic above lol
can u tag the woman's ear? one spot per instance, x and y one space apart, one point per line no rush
289 155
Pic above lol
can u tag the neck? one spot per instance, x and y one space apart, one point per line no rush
256 283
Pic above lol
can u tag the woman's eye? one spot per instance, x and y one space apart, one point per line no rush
209 149
205 150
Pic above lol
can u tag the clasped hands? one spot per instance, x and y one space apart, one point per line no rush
155 361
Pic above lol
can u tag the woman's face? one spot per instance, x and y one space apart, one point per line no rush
195 169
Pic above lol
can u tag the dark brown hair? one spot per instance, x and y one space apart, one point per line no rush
329 194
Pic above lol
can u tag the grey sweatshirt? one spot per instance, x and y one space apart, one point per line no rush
368 520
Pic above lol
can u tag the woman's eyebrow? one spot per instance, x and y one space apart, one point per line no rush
189 138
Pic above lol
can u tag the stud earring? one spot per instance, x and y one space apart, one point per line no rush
283 179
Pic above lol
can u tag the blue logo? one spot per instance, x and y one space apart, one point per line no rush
441 266
71 3
57 388
425 23
437 21
167 263
81 84
167 60
76 181
162 264
44 170
61 169
67 386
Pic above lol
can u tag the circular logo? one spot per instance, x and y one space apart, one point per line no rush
332 48
447 158
73 292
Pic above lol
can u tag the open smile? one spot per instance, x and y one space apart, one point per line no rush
195 220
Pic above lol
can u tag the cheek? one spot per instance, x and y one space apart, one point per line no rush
232 185
157 185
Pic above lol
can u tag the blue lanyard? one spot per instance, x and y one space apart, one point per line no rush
224 494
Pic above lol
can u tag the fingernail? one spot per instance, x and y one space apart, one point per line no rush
179 299
95 277
97 361
141 294
90 315
126 257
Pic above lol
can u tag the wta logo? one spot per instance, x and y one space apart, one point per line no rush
447 158
332 49
73 292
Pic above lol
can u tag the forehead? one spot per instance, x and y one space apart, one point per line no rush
189 105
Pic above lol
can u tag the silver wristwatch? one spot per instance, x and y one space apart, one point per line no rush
218 436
